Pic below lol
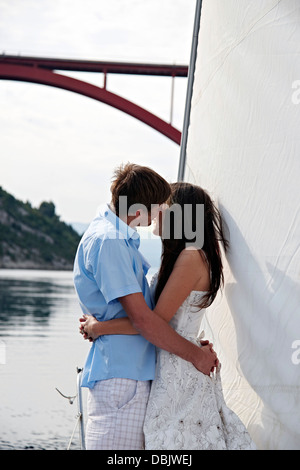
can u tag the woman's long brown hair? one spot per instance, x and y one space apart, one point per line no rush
189 194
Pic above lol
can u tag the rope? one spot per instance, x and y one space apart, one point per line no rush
71 438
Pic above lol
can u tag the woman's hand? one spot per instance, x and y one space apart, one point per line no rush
90 328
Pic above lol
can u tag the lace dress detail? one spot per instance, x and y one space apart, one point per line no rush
186 409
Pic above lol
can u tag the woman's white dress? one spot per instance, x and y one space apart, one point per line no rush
186 409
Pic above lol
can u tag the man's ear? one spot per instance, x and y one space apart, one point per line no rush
138 216
135 218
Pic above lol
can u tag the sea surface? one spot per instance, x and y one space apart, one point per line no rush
40 351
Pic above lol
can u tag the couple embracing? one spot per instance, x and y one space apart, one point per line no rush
153 383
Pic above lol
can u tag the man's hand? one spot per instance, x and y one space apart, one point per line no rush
89 327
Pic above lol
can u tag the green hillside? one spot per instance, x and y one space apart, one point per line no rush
33 238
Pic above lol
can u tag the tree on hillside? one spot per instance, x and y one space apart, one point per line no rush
47 209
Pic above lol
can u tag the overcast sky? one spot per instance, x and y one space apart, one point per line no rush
63 147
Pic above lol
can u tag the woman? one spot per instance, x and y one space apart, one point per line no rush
186 409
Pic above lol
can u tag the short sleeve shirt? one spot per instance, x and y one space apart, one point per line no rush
108 265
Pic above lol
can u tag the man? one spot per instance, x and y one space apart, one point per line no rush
110 280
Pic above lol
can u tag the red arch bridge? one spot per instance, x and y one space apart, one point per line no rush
44 71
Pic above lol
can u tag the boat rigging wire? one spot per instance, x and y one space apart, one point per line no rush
79 416
71 399
191 73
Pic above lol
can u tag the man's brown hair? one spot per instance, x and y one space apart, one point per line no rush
140 184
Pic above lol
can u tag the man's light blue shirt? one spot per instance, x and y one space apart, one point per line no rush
108 265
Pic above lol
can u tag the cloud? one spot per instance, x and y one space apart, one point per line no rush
59 146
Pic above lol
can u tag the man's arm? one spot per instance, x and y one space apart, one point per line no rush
190 268
155 329
158 332
153 325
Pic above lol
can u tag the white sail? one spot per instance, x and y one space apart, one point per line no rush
244 148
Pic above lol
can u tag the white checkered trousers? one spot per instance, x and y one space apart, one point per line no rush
116 411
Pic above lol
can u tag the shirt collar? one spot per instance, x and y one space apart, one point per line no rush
127 231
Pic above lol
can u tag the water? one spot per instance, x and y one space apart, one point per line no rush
40 350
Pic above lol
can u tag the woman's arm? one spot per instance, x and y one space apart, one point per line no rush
91 328
190 271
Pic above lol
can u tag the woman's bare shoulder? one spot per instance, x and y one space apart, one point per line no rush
191 254
193 261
